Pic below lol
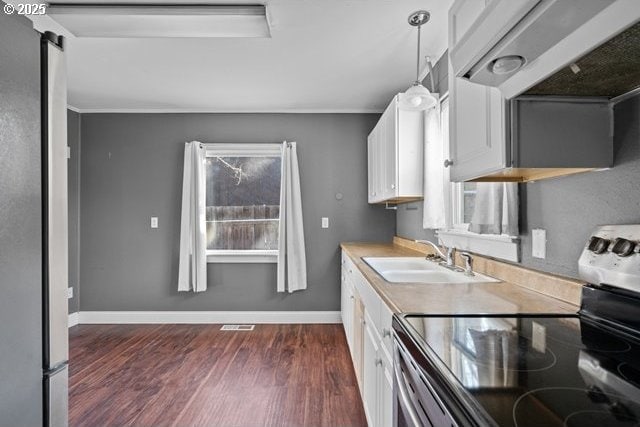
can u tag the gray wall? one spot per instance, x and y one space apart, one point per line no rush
132 169
20 224
569 208
73 141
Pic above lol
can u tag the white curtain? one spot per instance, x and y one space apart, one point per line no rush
292 263
192 268
436 177
496 209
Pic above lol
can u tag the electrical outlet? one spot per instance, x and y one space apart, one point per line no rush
69 292
539 243
154 222
538 337
325 222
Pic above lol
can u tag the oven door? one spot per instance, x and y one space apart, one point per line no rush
415 403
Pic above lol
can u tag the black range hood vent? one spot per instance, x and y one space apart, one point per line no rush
610 70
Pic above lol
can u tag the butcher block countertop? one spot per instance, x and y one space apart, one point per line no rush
504 297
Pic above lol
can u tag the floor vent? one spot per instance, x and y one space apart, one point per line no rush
237 327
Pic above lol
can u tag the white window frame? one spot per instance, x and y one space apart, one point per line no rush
241 150
458 235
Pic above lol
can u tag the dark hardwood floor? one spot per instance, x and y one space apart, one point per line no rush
197 375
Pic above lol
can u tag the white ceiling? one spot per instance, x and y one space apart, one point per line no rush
324 55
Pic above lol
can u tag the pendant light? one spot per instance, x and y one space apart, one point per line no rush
418 97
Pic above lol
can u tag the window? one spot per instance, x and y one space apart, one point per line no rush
463 200
242 202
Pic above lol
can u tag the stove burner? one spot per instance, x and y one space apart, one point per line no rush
592 339
629 373
598 419
585 407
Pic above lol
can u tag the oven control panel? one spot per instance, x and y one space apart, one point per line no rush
612 257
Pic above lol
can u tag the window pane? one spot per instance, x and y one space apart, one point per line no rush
243 202
469 199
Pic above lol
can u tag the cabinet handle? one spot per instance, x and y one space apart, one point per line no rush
352 297
378 362
386 333
448 163
393 186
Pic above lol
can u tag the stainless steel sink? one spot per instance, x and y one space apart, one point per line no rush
420 270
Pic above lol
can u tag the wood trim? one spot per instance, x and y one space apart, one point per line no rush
528 174
559 287
204 317
398 200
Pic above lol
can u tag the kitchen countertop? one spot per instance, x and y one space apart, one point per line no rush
460 298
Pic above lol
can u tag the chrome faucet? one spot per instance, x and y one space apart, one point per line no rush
468 263
448 260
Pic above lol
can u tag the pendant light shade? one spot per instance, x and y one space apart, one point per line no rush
418 97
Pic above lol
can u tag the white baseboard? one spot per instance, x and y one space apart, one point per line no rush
106 317
74 319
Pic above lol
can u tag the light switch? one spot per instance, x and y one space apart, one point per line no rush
69 292
539 243
325 222
154 222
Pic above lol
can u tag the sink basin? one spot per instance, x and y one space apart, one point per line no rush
398 263
419 270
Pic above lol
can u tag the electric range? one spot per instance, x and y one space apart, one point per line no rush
531 370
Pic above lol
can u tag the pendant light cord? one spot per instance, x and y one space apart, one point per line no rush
418 57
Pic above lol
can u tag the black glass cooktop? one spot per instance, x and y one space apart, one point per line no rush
536 371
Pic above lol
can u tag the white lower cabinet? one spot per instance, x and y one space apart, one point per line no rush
347 300
370 349
367 322
385 393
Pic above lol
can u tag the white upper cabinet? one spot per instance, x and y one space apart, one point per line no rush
477 113
396 157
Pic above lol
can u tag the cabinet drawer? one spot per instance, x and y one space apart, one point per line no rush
347 264
370 299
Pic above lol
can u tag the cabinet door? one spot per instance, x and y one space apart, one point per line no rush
371 165
477 113
388 151
385 393
370 372
347 306
381 162
358 338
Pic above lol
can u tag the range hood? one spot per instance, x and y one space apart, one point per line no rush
553 47
510 34
611 70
